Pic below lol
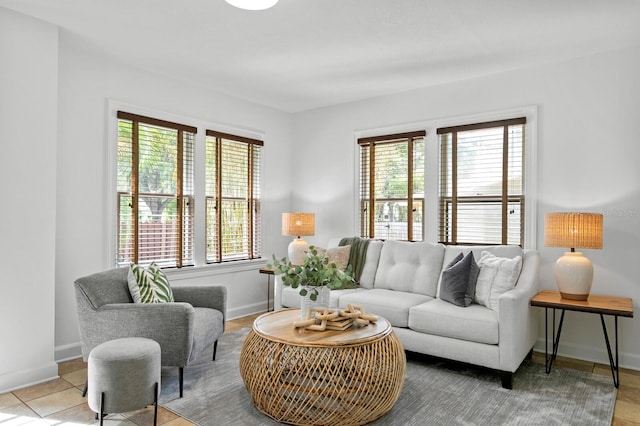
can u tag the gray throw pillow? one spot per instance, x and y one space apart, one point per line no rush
459 279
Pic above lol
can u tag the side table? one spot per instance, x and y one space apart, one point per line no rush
270 273
595 304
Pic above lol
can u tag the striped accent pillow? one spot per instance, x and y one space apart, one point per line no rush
148 285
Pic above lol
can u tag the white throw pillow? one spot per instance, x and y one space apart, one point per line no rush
338 255
497 276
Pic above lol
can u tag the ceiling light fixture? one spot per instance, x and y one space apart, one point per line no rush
252 4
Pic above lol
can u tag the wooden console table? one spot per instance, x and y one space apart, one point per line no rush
595 304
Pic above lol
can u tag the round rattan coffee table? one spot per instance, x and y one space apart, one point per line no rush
305 377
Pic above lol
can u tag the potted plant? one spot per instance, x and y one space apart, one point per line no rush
313 275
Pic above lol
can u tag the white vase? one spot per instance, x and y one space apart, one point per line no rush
321 302
574 275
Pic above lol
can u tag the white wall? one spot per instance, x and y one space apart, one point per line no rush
54 228
588 155
87 83
28 135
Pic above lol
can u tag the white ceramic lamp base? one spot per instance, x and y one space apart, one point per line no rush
574 275
297 251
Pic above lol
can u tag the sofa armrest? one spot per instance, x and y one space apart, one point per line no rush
169 324
518 321
277 293
212 296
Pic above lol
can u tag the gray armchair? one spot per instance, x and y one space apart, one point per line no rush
183 329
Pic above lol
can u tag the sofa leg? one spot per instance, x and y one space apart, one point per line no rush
507 379
215 348
530 355
181 378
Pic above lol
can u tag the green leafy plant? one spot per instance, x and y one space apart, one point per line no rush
315 272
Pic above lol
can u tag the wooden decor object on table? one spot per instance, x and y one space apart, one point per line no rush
321 319
330 377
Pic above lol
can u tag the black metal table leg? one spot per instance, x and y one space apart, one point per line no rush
548 360
615 366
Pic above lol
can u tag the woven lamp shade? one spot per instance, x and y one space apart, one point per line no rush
573 230
298 224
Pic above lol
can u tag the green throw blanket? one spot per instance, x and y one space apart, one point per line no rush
357 255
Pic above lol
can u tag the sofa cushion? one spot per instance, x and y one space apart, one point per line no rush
391 305
474 323
409 267
502 251
371 264
497 275
459 280
337 255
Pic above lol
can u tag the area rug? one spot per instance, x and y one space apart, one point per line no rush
435 392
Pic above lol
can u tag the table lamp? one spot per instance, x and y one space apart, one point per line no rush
297 225
573 271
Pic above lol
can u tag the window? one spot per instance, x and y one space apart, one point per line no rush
392 186
176 208
482 183
232 197
155 191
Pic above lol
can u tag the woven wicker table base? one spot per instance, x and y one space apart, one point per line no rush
308 377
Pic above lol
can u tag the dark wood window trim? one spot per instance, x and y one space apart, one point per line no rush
236 138
252 198
135 194
156 122
367 201
450 236
485 125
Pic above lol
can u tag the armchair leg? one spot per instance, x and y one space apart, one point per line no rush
181 378
86 386
215 348
155 404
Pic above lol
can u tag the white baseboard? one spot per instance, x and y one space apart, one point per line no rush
591 353
21 379
67 352
243 311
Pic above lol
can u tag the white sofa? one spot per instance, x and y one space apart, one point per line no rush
400 282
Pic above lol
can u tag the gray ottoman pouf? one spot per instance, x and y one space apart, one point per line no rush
124 375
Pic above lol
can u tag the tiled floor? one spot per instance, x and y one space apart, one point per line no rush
60 401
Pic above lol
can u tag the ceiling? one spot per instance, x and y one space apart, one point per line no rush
305 54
